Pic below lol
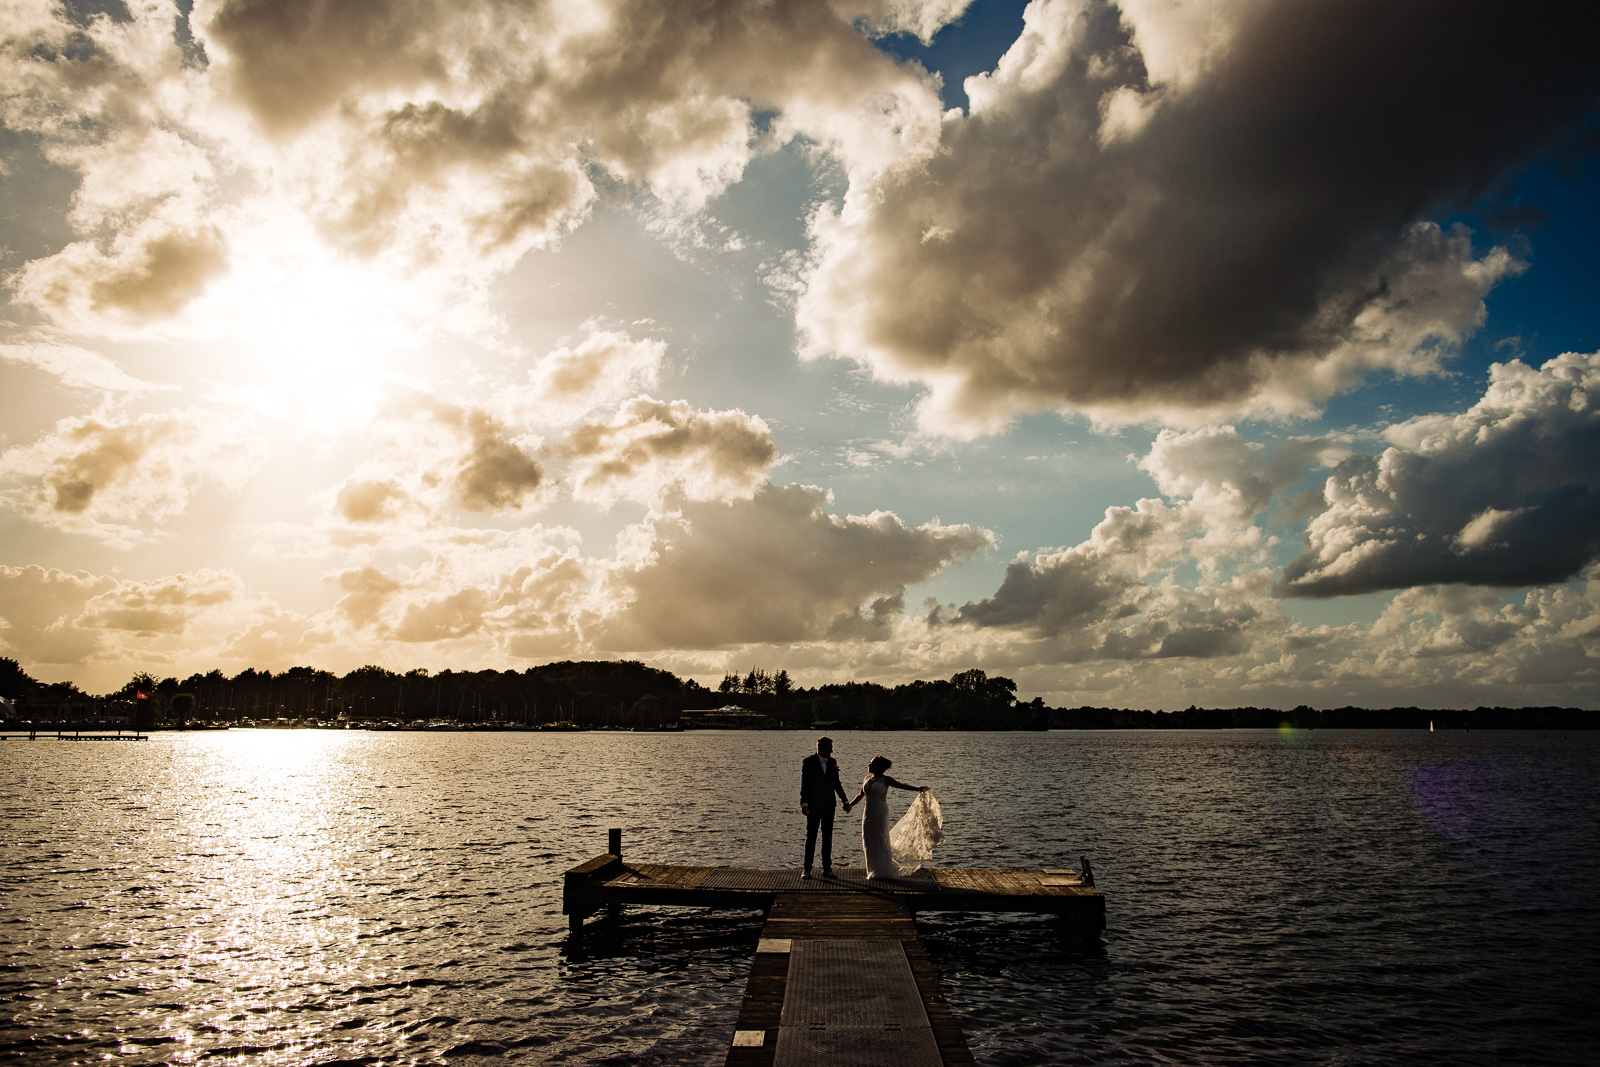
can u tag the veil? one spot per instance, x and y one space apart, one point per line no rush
919 829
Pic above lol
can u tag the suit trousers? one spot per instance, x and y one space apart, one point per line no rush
820 818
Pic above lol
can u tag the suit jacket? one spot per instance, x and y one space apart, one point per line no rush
816 788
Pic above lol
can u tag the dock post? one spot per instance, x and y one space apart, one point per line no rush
614 846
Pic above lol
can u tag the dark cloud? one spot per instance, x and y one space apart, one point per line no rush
103 455
1507 493
496 475
777 568
1131 225
167 272
1056 593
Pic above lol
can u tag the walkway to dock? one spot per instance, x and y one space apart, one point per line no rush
840 977
843 979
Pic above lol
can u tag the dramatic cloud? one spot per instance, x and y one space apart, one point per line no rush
777 568
471 132
425 266
1507 493
651 446
95 472
1182 210
1117 595
1096 600
432 140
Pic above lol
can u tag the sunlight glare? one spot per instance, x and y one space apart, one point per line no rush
324 331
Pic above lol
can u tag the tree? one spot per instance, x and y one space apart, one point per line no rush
14 681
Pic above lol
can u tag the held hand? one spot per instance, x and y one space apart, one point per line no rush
922 789
805 809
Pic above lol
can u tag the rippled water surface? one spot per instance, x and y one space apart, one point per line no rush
308 897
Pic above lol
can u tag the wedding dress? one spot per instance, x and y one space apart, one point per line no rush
903 850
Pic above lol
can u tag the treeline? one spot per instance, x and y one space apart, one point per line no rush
629 694
601 693
1346 718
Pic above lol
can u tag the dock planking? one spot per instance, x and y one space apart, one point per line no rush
855 926
778 1024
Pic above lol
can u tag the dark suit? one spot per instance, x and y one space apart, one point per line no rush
817 789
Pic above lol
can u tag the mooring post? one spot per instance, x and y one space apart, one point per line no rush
614 846
1088 872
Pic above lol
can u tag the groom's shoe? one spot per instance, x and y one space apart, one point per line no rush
807 873
827 872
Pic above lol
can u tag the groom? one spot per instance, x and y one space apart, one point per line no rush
819 781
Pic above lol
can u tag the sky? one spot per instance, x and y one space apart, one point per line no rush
1153 353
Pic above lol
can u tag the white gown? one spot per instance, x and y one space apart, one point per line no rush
903 850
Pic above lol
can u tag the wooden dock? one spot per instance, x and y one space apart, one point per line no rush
840 976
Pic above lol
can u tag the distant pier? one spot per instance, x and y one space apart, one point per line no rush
840 975
74 732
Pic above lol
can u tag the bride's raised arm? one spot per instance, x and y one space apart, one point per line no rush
902 785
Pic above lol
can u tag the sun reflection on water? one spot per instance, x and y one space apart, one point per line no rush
268 875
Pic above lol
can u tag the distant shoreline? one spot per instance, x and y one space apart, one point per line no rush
1545 719
627 695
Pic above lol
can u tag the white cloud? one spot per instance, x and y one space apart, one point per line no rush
78 368
920 18
602 369
163 606
652 446
102 474
1506 493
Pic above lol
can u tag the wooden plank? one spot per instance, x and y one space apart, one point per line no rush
594 866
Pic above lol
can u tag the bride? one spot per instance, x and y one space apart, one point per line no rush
896 854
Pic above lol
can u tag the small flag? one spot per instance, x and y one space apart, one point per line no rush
139 694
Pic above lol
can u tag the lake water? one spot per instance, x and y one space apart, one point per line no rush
309 897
